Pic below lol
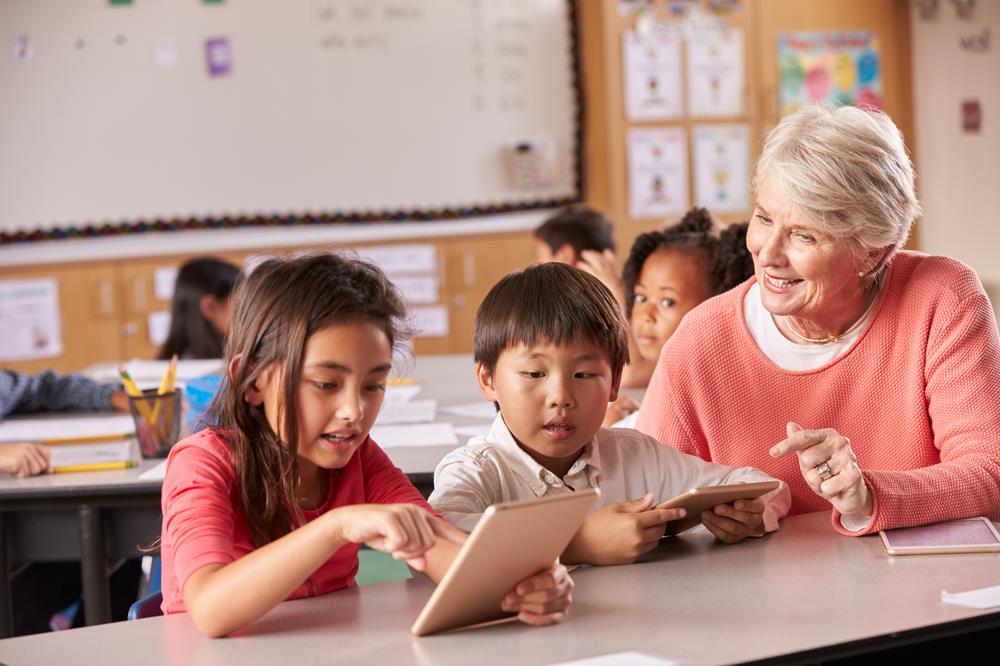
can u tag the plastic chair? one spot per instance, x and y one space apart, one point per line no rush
148 606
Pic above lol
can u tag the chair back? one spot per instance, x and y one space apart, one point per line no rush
148 606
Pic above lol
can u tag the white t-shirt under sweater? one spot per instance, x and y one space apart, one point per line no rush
790 355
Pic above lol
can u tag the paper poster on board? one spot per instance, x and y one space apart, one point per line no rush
829 68
715 71
652 76
722 167
30 324
22 48
657 172
218 56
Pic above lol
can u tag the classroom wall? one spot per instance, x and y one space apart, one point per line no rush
762 22
956 60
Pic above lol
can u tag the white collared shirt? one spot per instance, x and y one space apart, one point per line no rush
625 464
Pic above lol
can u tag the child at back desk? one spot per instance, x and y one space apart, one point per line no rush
200 309
550 344
273 503
668 272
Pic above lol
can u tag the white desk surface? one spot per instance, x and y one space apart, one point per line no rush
693 600
105 481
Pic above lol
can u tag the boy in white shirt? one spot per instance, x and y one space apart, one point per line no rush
550 345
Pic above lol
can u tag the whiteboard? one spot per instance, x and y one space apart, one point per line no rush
342 109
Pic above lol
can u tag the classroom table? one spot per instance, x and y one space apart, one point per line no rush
88 516
802 594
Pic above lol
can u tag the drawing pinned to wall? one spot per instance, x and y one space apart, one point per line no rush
532 164
715 71
218 56
657 172
22 48
829 68
652 75
165 53
631 7
29 319
721 167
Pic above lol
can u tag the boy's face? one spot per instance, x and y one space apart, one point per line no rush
553 398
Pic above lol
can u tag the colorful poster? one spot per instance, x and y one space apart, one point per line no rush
218 56
652 76
722 167
829 68
30 325
657 172
715 72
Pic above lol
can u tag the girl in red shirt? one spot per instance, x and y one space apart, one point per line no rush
273 503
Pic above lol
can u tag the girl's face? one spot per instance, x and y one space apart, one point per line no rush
344 373
670 284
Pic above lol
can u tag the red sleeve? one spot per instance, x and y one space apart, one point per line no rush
384 482
198 514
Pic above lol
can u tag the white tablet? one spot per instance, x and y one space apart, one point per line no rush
511 542
967 535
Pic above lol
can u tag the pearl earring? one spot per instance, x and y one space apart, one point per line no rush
861 273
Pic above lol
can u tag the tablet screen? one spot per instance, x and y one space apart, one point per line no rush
973 532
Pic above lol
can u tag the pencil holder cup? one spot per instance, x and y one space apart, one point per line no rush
157 422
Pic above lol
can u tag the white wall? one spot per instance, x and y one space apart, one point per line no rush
959 173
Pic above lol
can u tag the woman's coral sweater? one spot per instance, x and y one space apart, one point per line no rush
918 395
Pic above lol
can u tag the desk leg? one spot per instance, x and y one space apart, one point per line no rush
6 604
94 567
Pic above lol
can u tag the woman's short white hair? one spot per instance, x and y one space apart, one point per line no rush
848 170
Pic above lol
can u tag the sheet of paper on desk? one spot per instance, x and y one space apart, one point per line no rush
420 434
416 411
619 659
985 597
478 430
401 393
143 371
19 429
155 473
473 410
82 454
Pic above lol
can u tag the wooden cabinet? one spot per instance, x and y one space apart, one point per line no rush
475 264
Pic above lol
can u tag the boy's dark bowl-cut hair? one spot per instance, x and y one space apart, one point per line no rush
553 303
579 227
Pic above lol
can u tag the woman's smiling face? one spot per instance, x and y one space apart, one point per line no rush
803 272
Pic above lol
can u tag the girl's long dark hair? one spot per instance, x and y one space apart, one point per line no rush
723 254
278 306
191 335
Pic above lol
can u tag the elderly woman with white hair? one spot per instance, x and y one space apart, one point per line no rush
865 376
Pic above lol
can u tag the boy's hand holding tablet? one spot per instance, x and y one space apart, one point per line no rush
620 533
734 522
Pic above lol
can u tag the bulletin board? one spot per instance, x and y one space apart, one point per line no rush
127 116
